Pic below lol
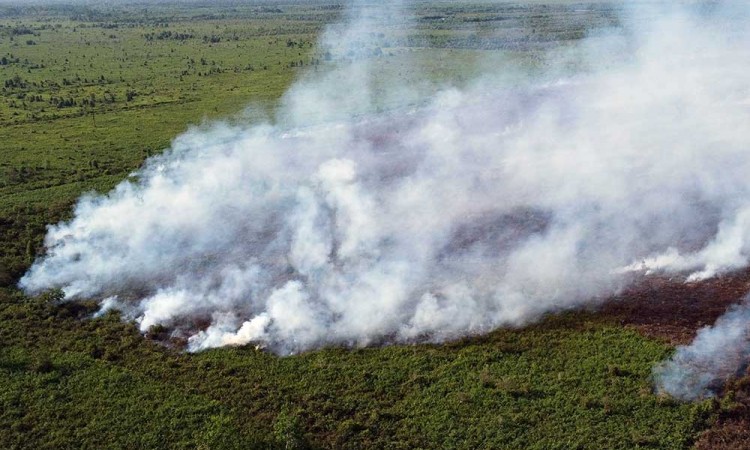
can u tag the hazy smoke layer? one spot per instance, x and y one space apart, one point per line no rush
489 206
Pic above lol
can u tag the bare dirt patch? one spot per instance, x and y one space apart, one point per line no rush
669 309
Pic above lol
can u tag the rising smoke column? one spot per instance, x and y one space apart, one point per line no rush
489 205
717 353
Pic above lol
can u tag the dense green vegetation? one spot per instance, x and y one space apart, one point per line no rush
90 92
571 382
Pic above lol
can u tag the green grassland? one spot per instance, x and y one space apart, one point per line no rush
570 382
90 92
99 92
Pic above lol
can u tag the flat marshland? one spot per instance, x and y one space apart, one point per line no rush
90 92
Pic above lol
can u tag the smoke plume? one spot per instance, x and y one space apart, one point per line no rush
718 353
347 220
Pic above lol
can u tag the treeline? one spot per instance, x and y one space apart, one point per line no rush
108 97
533 40
20 30
5 60
176 36
168 35
17 31
16 82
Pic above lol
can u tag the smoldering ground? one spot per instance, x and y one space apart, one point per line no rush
488 205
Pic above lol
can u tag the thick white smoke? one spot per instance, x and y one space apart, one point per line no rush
488 206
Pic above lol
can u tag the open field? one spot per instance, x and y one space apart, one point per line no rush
90 92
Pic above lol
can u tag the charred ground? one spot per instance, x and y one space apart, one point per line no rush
85 89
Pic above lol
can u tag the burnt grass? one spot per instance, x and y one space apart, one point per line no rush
67 380
671 310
